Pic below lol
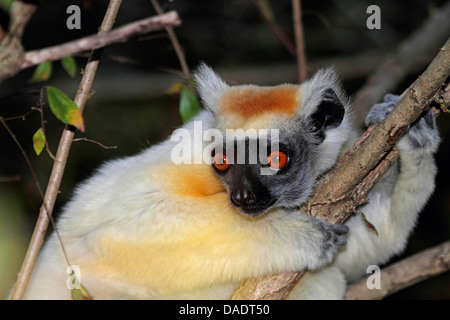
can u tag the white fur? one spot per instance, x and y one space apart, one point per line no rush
393 208
210 86
121 199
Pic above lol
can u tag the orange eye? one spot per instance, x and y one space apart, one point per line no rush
277 159
221 162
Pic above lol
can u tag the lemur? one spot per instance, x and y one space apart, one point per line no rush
145 227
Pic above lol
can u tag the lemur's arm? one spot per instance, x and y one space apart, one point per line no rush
394 204
393 208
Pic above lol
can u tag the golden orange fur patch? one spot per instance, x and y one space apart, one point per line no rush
196 180
248 101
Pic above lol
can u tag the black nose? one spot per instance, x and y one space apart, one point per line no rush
242 197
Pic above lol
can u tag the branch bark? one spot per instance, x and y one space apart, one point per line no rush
405 273
60 162
122 33
396 66
11 50
13 58
334 197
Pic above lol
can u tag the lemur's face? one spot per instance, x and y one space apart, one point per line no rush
311 123
267 176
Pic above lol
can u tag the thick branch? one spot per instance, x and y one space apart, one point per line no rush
51 193
337 184
20 13
11 50
405 273
395 67
275 287
100 40
335 189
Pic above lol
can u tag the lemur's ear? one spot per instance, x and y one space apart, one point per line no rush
209 85
329 113
324 104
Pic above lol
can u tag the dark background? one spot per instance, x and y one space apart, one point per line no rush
130 110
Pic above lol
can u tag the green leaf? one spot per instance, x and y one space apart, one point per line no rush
189 105
5 4
81 294
64 108
70 65
369 225
42 72
175 88
39 141
444 108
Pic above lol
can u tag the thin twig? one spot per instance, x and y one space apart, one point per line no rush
299 39
319 15
100 40
275 28
154 36
22 116
96 142
41 110
38 185
33 173
172 71
176 44
16 178
60 162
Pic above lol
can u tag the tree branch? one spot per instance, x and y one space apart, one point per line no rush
100 40
60 162
341 180
333 199
396 66
274 27
420 266
174 40
299 40
11 50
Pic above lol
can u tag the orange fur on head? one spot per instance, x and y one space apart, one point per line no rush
248 101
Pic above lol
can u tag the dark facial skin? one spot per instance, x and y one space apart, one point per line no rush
254 192
251 191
